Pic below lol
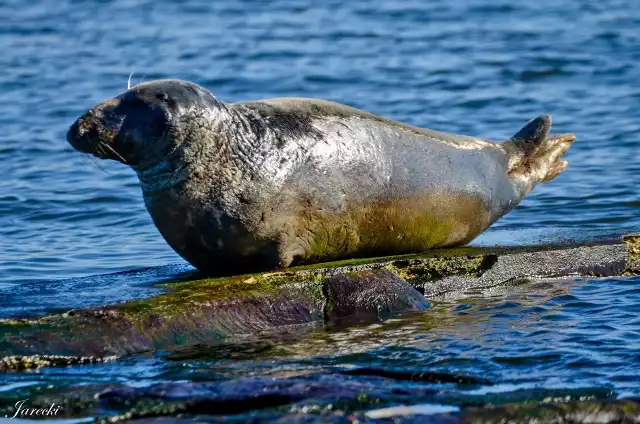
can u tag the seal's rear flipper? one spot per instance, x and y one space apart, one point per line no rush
534 131
528 139
534 157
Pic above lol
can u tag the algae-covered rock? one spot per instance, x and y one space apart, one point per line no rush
207 311
216 310
633 246
23 363
185 315
601 412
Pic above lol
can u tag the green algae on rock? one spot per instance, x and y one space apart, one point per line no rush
194 312
633 246
24 363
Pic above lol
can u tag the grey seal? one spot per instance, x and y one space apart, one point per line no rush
242 187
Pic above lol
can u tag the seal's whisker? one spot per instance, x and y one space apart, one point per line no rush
129 81
103 144
87 157
100 149
92 159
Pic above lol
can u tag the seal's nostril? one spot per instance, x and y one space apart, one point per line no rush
76 133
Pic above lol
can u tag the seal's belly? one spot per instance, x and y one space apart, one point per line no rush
391 226
381 191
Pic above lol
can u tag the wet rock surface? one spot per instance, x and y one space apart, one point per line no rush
301 300
598 261
368 296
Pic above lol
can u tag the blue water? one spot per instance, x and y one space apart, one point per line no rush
471 67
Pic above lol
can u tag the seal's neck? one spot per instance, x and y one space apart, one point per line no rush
164 175
217 144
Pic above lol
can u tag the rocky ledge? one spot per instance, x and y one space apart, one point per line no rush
297 300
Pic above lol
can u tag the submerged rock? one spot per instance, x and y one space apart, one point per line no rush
329 397
418 375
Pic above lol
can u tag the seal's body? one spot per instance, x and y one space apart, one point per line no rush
237 187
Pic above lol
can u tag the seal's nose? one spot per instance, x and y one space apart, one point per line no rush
97 128
73 133
78 134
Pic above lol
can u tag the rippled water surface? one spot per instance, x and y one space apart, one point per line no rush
471 67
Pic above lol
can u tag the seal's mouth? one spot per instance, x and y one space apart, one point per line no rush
95 132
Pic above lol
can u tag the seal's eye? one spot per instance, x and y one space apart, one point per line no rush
163 96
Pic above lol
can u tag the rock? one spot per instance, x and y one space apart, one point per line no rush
596 261
601 412
327 397
368 296
23 363
633 246
219 311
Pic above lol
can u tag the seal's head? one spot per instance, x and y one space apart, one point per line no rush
144 124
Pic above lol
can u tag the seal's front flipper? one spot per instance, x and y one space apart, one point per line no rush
534 157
